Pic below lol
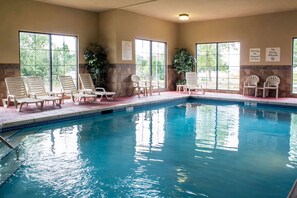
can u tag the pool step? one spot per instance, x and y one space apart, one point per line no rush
10 158
9 165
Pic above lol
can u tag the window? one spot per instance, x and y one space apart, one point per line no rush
48 56
294 83
218 65
151 59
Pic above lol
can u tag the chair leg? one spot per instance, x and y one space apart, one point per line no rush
276 93
5 102
59 102
243 91
263 93
101 96
109 97
19 109
256 90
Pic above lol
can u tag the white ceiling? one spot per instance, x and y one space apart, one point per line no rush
199 10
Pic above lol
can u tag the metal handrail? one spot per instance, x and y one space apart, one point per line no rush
5 142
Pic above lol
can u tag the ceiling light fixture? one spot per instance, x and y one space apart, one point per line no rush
183 17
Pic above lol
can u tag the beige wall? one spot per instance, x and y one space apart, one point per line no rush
262 31
117 25
33 16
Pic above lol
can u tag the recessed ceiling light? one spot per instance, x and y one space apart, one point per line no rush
183 17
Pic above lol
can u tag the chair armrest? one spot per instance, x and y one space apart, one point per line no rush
32 95
265 84
49 93
100 89
135 84
86 91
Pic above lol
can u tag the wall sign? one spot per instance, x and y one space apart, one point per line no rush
126 50
273 54
255 55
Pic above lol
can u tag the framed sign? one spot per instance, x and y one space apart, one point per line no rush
273 54
255 55
126 50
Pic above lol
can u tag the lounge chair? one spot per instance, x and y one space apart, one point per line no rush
251 83
272 82
69 89
89 87
139 85
192 84
16 92
36 89
151 83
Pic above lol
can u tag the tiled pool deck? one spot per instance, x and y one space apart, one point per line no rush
30 114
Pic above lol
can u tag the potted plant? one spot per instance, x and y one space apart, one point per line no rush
98 64
183 61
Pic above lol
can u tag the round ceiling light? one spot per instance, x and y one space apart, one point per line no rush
183 17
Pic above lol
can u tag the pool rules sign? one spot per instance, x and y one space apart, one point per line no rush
255 55
273 54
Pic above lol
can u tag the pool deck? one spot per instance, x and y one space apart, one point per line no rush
30 114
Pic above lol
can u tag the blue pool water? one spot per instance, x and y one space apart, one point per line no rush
183 149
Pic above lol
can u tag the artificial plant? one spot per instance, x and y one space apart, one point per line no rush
97 63
183 61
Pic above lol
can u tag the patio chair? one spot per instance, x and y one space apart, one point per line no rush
251 83
151 83
192 84
272 82
16 92
89 87
139 85
68 88
37 90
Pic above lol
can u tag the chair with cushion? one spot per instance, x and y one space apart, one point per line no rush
151 83
68 88
16 92
192 83
251 83
139 85
89 87
272 82
36 89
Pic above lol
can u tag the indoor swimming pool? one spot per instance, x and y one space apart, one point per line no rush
186 148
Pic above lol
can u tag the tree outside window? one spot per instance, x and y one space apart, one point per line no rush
48 56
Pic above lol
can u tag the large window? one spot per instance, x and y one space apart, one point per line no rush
48 56
294 88
218 65
151 59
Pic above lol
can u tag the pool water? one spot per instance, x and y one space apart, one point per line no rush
189 149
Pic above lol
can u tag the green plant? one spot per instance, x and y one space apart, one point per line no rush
183 61
98 64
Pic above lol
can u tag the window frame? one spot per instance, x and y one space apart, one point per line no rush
51 53
151 57
292 86
217 64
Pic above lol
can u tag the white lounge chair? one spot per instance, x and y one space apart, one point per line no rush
37 90
251 83
89 87
151 83
68 88
272 82
192 83
16 92
139 85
